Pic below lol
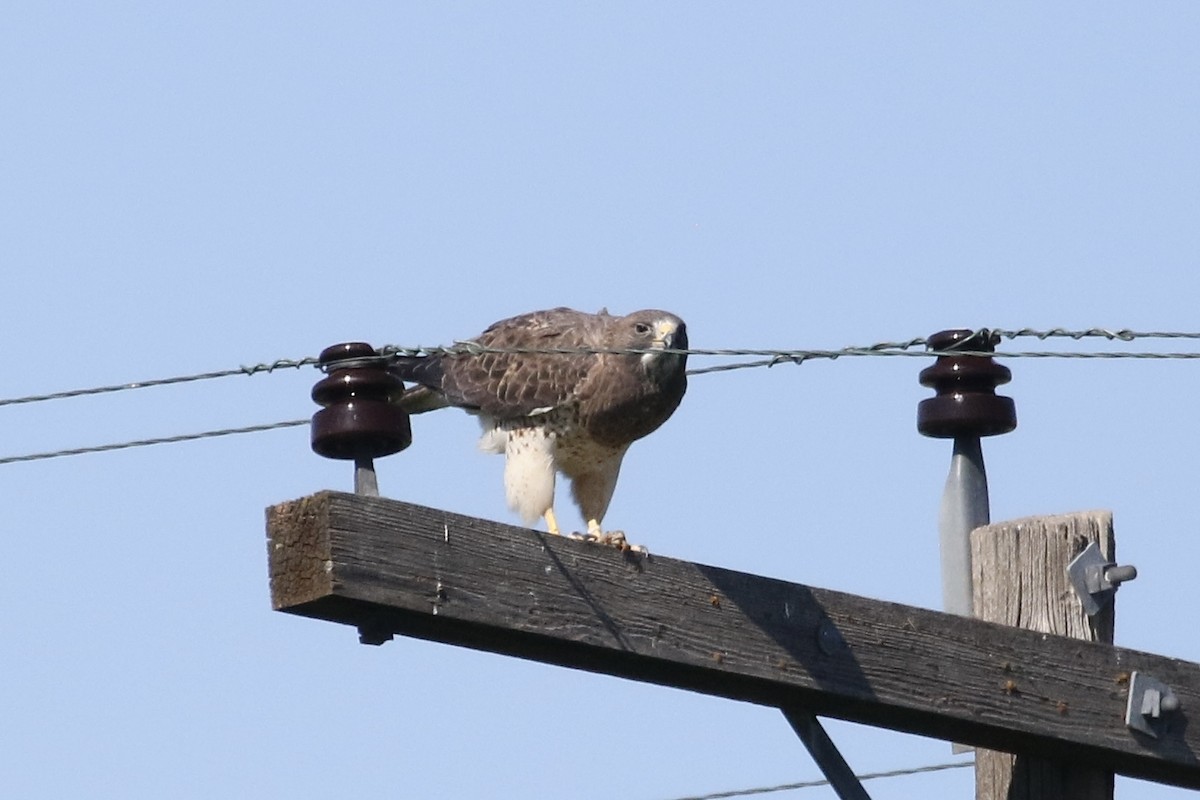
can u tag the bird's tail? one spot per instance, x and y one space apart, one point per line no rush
426 372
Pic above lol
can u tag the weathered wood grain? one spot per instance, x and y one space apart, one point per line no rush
1019 578
418 571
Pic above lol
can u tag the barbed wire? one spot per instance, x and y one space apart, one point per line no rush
785 787
763 357
256 369
185 437
800 356
211 434
1124 334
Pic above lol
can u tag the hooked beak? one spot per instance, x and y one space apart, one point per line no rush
669 335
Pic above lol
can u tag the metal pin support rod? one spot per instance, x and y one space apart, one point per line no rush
964 508
365 482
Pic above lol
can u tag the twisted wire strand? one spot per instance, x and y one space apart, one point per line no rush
786 787
468 347
283 363
1124 334
762 357
185 437
772 356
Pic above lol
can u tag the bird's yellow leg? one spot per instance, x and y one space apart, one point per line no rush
552 523
594 529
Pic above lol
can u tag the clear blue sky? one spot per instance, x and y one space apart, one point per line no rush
193 188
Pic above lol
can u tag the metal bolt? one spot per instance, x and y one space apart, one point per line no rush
1095 578
1156 701
1118 575
1149 700
829 638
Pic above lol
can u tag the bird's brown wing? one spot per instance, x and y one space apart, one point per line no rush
510 385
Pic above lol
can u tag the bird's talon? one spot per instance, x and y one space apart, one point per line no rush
615 539
611 539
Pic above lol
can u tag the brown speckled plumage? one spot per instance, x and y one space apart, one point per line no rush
589 406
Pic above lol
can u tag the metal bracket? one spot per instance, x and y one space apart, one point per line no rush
1149 700
375 630
1096 579
842 779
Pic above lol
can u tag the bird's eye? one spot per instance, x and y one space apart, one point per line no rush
642 328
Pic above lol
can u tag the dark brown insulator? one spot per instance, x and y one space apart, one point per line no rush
966 403
361 417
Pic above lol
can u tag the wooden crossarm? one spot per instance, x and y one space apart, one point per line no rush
391 567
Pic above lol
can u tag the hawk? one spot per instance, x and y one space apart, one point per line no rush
574 412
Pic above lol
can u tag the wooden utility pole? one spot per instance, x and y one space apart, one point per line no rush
1020 579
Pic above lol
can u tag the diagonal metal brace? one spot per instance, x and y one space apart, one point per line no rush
843 780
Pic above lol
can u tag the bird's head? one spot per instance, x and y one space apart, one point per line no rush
660 332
